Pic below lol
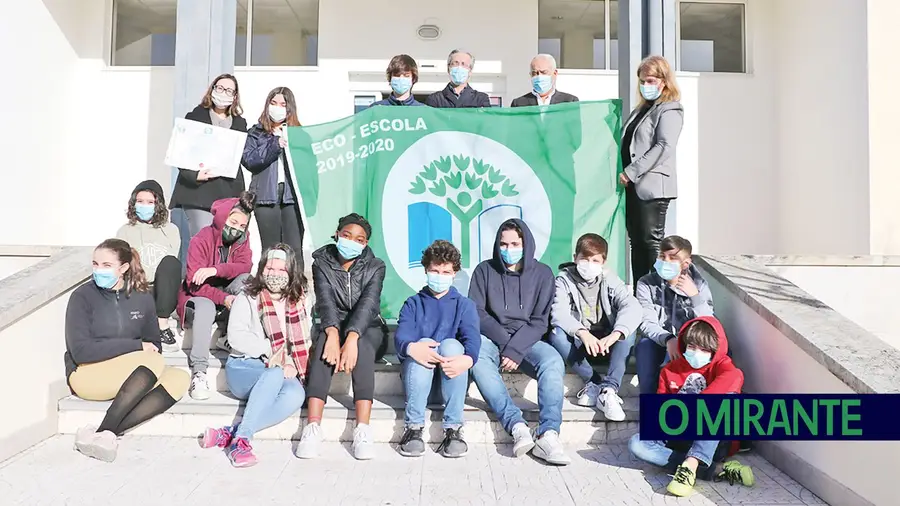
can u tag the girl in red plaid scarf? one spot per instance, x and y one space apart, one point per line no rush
269 336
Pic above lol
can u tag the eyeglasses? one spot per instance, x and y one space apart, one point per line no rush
221 89
458 64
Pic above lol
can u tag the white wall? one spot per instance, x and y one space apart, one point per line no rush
884 109
863 294
354 30
738 148
822 126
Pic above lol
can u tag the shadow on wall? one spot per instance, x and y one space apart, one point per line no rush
74 20
769 286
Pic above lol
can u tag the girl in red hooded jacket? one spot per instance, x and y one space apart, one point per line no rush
218 263
703 368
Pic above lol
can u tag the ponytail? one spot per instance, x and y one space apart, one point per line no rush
135 277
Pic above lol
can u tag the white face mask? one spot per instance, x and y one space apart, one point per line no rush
589 271
277 113
221 100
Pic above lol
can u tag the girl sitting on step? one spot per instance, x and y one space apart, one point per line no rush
351 335
218 263
158 242
113 350
269 335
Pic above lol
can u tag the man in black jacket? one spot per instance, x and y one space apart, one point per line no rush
543 84
458 93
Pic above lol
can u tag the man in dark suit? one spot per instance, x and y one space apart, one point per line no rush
543 84
458 93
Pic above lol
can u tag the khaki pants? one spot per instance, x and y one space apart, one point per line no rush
101 381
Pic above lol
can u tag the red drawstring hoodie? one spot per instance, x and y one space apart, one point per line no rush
722 377
205 251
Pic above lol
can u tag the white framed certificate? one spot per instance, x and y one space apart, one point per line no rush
199 146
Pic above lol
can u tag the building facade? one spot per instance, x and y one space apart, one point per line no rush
787 146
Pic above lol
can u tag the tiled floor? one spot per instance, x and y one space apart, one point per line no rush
174 472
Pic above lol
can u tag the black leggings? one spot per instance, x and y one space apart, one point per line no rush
280 223
363 375
165 286
139 400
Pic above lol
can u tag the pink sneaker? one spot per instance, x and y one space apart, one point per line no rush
240 453
212 438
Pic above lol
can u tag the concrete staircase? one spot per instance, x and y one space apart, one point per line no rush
189 417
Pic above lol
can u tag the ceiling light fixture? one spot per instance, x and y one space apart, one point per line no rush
429 32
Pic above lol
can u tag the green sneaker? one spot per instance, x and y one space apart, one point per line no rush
682 485
735 472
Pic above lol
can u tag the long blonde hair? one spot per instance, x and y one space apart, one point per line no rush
658 67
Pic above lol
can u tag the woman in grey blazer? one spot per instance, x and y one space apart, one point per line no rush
648 158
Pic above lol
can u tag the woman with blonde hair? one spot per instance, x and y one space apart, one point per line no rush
648 161
113 350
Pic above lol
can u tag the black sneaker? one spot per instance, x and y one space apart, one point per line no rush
453 446
412 444
167 339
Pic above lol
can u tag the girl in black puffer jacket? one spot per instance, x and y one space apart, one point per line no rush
351 335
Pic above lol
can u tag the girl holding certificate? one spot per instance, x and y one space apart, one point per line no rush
195 191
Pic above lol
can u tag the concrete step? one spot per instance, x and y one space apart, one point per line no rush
387 378
188 418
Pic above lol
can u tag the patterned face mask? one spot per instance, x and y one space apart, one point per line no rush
276 282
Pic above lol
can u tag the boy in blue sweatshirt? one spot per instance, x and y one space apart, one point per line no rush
513 292
438 327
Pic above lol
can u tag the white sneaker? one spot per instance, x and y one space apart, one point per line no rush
308 447
588 395
363 447
199 387
98 445
611 404
549 449
522 440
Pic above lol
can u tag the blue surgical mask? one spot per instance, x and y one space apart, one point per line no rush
105 278
541 84
458 75
511 256
650 91
144 212
401 85
697 359
667 270
348 249
439 283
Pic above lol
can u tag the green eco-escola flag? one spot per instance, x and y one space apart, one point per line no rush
420 174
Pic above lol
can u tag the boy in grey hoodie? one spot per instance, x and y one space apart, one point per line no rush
594 314
670 296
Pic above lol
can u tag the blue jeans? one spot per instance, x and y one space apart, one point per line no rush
575 355
651 357
658 454
542 363
417 380
271 398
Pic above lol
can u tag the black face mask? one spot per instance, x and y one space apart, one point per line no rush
230 234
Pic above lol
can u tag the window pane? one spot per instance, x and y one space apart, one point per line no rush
577 29
144 33
712 37
614 35
240 35
285 33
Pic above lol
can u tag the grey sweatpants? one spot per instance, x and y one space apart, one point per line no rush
200 319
